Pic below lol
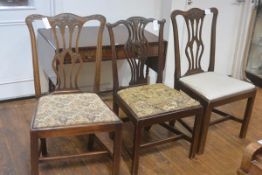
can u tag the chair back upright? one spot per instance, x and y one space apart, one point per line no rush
194 46
67 62
136 49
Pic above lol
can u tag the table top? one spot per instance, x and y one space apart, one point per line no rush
88 36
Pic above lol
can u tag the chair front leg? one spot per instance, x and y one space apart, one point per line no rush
247 116
195 135
117 150
34 153
136 149
116 111
204 128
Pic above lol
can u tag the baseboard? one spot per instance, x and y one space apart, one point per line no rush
14 90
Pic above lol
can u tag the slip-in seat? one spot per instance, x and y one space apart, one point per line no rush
213 85
70 110
155 99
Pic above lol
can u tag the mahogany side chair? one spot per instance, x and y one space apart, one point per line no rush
148 104
210 88
68 111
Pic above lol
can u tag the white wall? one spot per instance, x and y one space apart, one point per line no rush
112 9
170 57
16 73
165 13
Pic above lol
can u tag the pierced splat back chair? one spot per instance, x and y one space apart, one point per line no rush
67 112
146 105
210 88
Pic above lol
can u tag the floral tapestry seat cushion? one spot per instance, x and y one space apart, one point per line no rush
154 99
71 110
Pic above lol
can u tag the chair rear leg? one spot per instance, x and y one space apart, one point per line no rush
204 128
116 108
43 146
172 123
34 153
148 128
136 149
116 111
91 140
195 135
247 116
117 150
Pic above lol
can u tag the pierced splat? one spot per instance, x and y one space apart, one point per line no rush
194 48
66 29
136 47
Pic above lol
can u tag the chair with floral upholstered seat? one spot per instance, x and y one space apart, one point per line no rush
67 111
146 105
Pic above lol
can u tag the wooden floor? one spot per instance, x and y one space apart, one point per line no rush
222 156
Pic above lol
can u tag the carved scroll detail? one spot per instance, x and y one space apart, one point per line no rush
66 29
194 48
136 49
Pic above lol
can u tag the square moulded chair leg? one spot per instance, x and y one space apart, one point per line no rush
172 123
117 150
91 140
115 107
247 115
136 149
195 135
204 128
34 153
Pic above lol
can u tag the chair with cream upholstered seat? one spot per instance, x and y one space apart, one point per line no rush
212 89
68 111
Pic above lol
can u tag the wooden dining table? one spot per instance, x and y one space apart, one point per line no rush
87 48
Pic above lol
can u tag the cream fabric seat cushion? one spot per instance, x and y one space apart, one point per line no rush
213 85
71 109
154 99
